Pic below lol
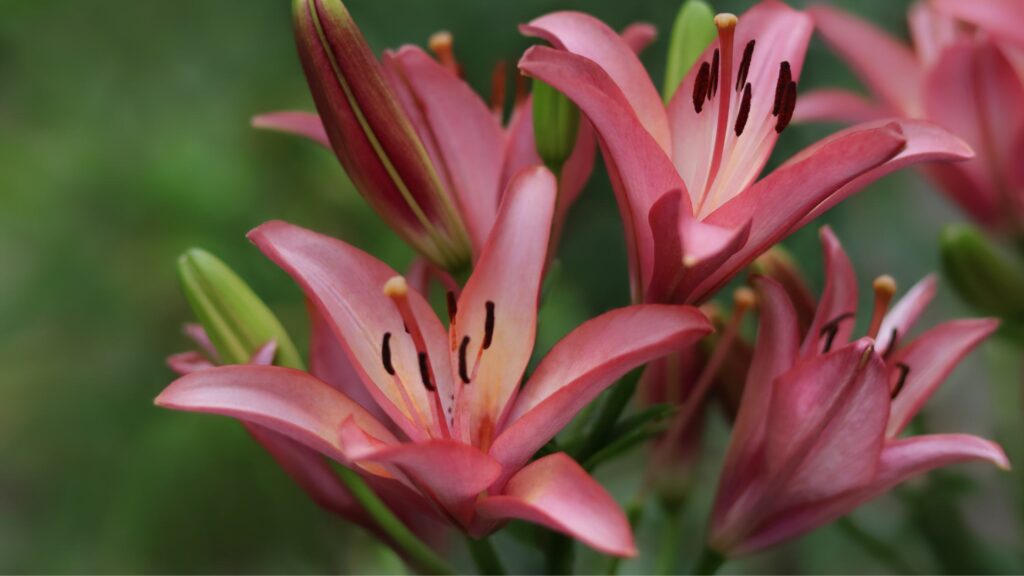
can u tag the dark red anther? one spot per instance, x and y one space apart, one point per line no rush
489 325
453 307
700 87
463 366
785 77
385 354
904 371
425 372
830 329
788 106
741 76
713 87
744 111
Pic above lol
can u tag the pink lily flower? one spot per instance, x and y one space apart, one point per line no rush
428 154
982 104
819 427
306 467
462 432
685 175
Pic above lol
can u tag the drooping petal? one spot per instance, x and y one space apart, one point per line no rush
778 342
497 310
305 124
450 472
556 492
776 203
467 136
836 105
929 360
835 317
346 287
1004 18
779 34
640 170
184 363
639 35
887 66
983 109
899 461
925 142
584 363
286 401
899 321
586 36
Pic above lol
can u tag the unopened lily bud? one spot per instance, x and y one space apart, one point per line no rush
692 32
556 122
986 278
237 322
372 136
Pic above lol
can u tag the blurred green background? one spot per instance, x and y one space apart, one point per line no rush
125 139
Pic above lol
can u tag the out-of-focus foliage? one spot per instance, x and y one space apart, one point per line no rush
124 140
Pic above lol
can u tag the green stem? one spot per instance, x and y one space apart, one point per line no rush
409 546
614 405
560 554
485 556
671 540
877 548
709 563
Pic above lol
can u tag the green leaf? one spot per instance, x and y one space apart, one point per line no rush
631 432
987 278
236 320
692 33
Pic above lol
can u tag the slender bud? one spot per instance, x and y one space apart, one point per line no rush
692 33
372 136
985 277
556 122
237 322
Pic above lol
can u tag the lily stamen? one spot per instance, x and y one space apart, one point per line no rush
830 329
440 43
904 371
499 82
885 289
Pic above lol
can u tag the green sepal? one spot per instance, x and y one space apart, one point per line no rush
987 278
692 32
237 322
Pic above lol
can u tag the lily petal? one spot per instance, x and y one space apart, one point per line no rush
467 136
283 400
776 203
184 363
931 357
931 31
587 361
1004 18
640 170
329 362
835 317
586 36
899 461
639 35
451 472
835 105
899 321
556 492
886 65
346 287
497 311
305 124
778 342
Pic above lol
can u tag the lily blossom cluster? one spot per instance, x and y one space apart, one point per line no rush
965 72
819 427
458 432
685 174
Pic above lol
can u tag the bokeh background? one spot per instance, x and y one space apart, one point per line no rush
125 139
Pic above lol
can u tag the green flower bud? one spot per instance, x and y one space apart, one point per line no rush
235 319
556 122
985 277
693 31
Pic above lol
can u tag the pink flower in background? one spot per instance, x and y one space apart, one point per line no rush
457 431
428 154
968 80
685 175
819 428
